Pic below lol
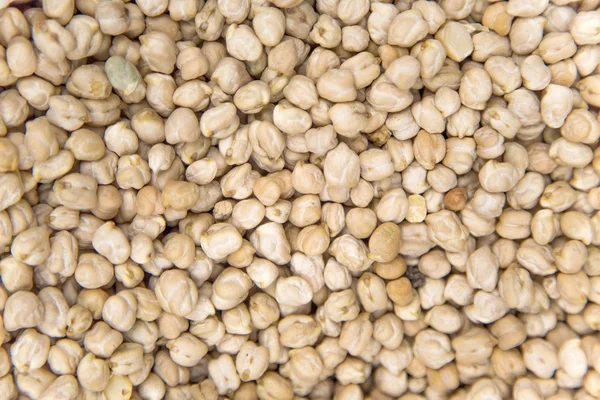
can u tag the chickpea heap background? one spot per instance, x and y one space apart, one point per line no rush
285 199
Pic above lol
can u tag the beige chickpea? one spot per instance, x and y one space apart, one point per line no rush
337 85
22 310
486 308
336 276
587 87
85 145
64 356
187 350
89 81
223 296
56 308
503 175
361 222
490 144
582 27
556 104
171 326
13 108
223 373
8 386
192 63
299 19
544 226
348 118
580 127
371 292
182 126
266 140
31 246
129 274
52 39
504 73
570 154
182 10
379 21
252 361
67 112
333 215
540 357
307 178
393 206
119 311
536 75
326 32
242 43
428 149
475 88
385 96
527 192
93 373
354 38
148 125
29 351
209 22
482 269
320 61
89 39
460 154
252 97
384 243
586 59
132 172
293 291
262 272
176 292
400 291
14 24
159 94
342 156
219 122
399 35
364 67
121 139
456 40
489 44
159 52
40 139
313 240
302 92
509 331
153 387
376 164
112 17
443 225
463 123
351 253
432 348
263 311
514 224
79 320
341 306
20 57
269 25
526 34
93 271
274 386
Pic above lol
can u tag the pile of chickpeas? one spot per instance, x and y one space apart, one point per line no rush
288 199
